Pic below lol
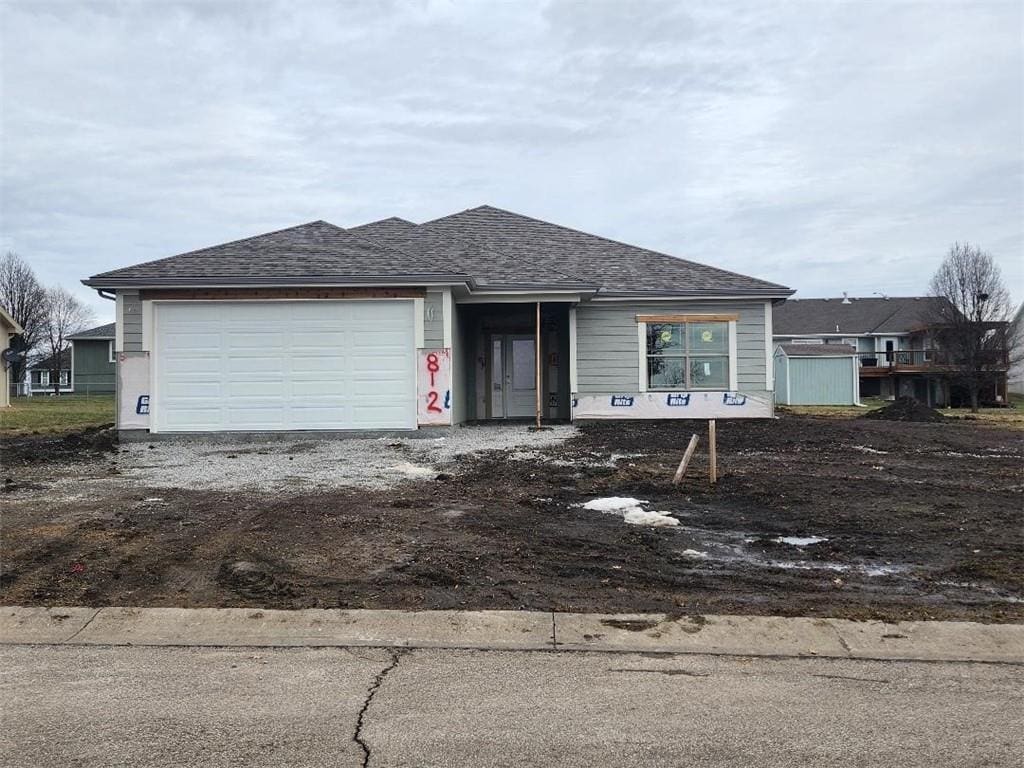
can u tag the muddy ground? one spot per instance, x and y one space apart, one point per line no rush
921 521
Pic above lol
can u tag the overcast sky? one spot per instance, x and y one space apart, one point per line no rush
826 146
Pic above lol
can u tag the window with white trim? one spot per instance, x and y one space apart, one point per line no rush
688 355
110 352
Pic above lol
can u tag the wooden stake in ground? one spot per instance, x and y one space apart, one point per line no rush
686 460
712 453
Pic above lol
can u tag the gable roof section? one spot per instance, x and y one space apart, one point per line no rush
98 333
484 248
797 317
313 253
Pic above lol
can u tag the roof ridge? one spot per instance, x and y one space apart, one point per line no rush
489 249
615 242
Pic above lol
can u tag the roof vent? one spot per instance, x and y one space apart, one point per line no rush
846 298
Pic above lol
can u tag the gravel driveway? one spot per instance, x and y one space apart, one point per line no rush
275 464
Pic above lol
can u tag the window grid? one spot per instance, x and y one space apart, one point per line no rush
686 355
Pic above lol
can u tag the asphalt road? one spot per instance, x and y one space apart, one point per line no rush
123 706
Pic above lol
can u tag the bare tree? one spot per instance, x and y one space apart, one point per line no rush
24 298
65 316
971 324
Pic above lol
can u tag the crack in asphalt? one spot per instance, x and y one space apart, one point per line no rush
81 629
378 680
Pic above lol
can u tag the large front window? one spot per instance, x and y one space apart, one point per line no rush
690 355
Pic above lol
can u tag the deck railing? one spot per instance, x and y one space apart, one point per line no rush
918 359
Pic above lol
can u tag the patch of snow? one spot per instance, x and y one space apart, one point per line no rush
868 449
631 511
695 554
653 519
799 541
614 504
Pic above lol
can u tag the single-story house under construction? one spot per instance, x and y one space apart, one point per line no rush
483 314
817 374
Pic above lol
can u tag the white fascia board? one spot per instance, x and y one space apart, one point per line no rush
634 299
769 358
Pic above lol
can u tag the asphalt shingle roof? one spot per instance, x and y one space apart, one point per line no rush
314 252
486 247
592 259
798 317
99 332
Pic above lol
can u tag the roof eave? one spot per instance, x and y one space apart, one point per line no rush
101 282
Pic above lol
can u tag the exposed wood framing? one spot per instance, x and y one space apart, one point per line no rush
686 318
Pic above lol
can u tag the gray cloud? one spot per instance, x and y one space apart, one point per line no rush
828 146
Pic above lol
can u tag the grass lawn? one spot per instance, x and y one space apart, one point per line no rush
1011 417
55 414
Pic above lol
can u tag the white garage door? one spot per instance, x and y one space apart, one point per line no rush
284 365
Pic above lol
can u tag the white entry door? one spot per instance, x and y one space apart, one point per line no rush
283 365
513 376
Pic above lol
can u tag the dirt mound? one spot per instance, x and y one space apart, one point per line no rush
82 444
906 409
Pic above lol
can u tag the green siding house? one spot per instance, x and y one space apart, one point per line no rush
92 361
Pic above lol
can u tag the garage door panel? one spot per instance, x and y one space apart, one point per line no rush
285 365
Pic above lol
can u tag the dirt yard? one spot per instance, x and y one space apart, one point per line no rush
892 520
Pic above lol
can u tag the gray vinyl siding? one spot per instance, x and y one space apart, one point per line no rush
433 327
608 350
131 321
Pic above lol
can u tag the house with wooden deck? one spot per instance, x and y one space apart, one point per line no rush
896 343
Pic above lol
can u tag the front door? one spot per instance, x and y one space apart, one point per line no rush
513 379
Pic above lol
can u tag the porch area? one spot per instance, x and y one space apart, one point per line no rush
512 361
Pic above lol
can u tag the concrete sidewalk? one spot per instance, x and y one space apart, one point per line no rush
516 630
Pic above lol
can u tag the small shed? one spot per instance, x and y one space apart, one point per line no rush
816 374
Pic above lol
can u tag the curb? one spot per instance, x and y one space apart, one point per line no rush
516 630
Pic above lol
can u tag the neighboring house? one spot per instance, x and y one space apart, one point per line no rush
1015 378
93 368
41 372
817 374
484 314
897 352
8 327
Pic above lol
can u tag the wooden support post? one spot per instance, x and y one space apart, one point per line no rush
712 453
686 460
536 344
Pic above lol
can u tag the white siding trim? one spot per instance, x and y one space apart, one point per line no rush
420 331
789 379
769 358
641 335
734 374
447 307
119 322
572 351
